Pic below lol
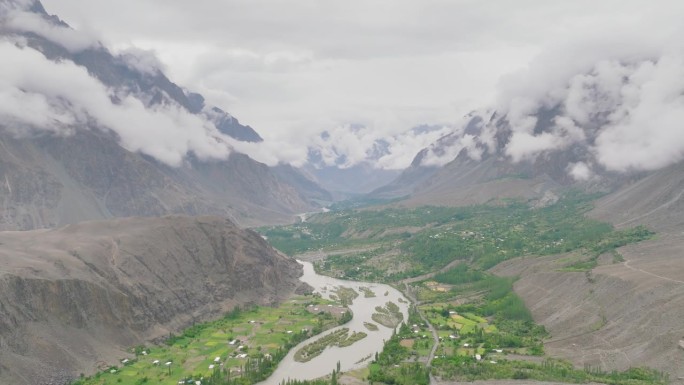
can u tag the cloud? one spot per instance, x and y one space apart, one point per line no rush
293 70
367 72
143 61
18 19
7 6
63 96
622 102
524 145
618 109
646 131
580 171
346 146
24 112
59 96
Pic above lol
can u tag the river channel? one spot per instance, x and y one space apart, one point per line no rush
350 357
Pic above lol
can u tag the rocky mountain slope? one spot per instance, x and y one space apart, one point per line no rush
624 313
655 200
465 181
350 181
78 168
620 315
473 165
76 297
596 124
51 181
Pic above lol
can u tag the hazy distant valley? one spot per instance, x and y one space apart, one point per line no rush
149 236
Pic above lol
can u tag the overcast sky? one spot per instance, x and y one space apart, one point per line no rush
293 69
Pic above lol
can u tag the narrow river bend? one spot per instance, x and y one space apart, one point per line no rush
349 357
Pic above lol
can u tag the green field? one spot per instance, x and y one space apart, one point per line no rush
481 323
478 317
396 243
243 345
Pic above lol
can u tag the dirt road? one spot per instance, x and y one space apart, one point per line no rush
411 296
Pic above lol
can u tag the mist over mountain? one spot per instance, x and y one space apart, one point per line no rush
601 116
569 118
89 134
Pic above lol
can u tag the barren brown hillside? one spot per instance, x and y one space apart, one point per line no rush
76 297
623 313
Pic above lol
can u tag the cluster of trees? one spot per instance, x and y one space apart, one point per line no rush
352 266
459 274
412 373
491 234
255 369
467 369
481 234
194 330
500 300
389 366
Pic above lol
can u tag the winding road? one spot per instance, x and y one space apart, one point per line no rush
409 293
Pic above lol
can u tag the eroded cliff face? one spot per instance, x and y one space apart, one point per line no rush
52 181
75 298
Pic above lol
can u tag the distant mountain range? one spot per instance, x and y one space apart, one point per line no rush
598 124
480 169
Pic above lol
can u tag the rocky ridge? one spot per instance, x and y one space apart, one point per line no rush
76 297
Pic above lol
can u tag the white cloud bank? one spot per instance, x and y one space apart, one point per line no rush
623 104
43 95
629 113
13 16
39 94
364 74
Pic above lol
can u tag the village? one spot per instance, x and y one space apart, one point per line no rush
237 345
